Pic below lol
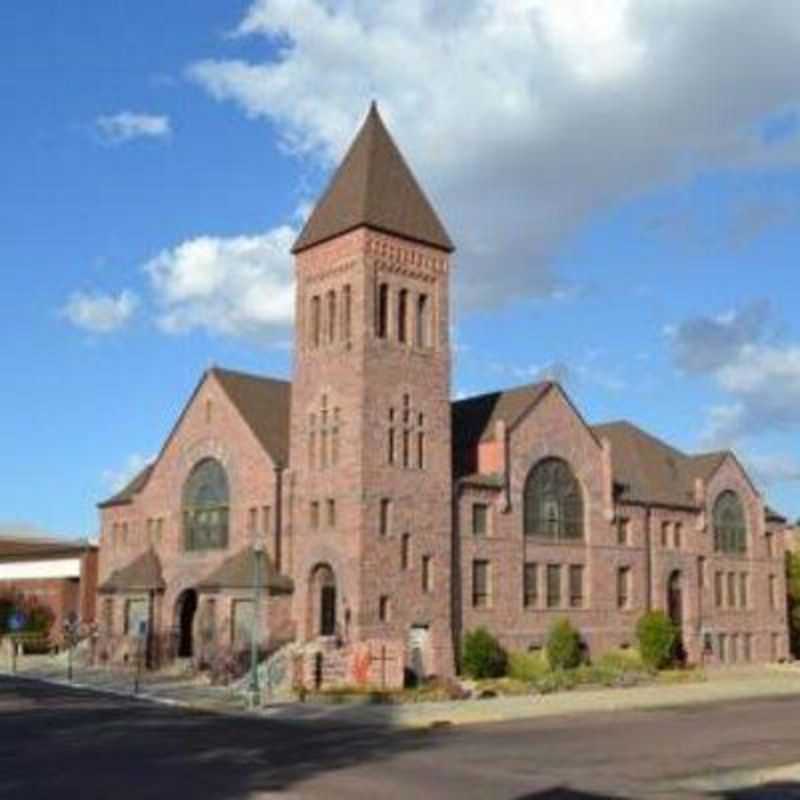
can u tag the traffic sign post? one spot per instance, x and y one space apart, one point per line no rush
141 637
16 623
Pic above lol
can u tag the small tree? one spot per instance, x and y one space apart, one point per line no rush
483 655
658 637
793 600
563 645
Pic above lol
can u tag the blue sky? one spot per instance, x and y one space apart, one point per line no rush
625 203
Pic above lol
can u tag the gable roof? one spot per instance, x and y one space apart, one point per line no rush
24 546
474 418
264 404
236 572
374 187
143 573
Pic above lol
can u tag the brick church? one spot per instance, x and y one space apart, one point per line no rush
388 518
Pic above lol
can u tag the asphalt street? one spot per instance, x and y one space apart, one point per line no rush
64 743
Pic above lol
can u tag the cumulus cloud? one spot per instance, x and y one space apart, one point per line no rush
128 125
118 478
758 373
240 286
100 313
524 117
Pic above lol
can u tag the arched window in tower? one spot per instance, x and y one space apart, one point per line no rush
402 312
553 502
423 321
206 503
347 313
730 526
331 316
382 316
392 444
406 430
316 321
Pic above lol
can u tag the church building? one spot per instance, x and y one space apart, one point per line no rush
382 521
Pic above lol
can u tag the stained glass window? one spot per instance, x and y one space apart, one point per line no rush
730 528
553 506
205 506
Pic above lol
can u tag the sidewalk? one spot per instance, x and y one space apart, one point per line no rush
722 685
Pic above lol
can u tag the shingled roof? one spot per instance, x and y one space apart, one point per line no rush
264 404
374 187
142 574
474 418
650 470
237 573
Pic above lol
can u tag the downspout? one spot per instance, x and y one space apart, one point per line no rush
278 516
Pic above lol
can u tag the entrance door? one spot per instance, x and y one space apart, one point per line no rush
187 606
327 611
675 609
419 651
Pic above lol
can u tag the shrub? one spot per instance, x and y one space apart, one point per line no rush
622 661
528 667
483 655
557 681
563 645
658 637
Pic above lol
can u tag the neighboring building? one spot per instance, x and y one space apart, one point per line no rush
394 520
58 573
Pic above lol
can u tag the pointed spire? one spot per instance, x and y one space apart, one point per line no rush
374 187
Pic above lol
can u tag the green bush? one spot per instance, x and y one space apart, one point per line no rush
658 637
557 681
563 645
622 661
483 655
528 667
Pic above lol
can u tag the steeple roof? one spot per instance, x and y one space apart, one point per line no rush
374 187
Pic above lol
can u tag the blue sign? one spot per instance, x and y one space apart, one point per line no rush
16 621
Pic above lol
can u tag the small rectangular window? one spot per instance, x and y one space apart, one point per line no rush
747 647
576 585
718 589
252 520
744 600
266 519
427 573
553 585
382 315
731 590
480 516
383 608
678 535
347 314
402 311
314 514
331 316
480 584
530 585
423 321
385 517
665 534
624 587
331 513
316 326
734 648
406 448
623 530
420 449
722 641
405 551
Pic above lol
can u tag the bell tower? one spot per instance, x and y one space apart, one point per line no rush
370 421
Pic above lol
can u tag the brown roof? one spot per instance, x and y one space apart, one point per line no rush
134 486
474 418
650 470
264 404
237 573
142 574
374 187
20 547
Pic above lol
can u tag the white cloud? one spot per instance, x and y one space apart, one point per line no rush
242 285
127 125
523 117
100 313
773 468
117 479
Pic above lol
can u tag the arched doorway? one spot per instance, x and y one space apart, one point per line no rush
186 608
675 609
323 600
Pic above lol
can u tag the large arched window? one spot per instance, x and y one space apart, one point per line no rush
553 505
730 527
205 506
